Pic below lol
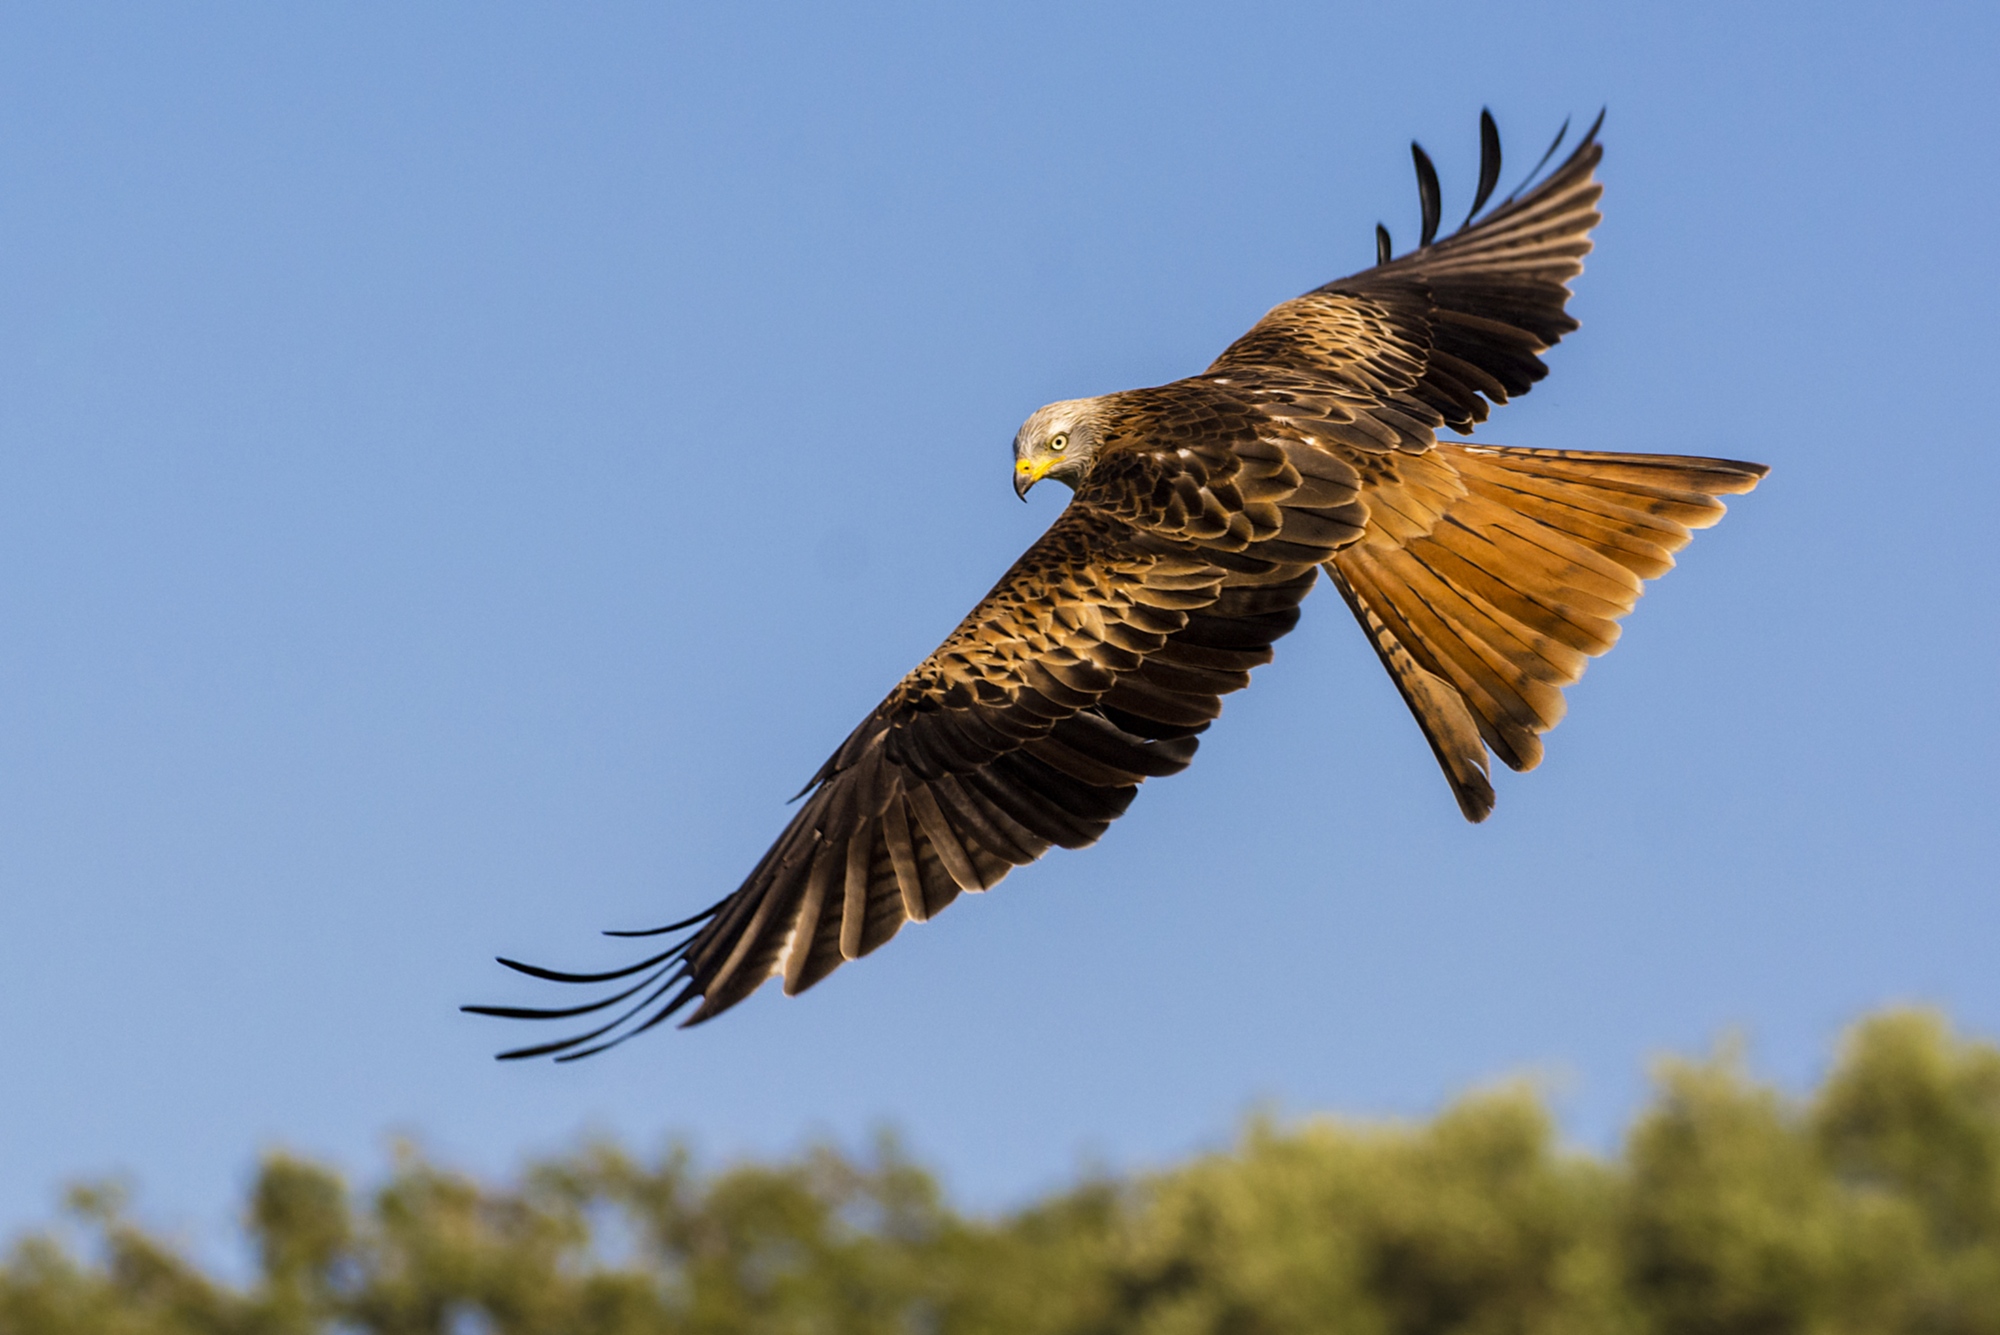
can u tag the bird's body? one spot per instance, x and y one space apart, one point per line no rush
1204 511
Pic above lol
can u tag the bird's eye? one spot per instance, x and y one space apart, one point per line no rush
1058 443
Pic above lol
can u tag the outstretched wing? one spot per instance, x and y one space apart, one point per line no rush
1092 665
1486 577
1379 360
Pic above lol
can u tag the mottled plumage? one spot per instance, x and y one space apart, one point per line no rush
1204 510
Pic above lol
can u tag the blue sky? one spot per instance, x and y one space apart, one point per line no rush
462 467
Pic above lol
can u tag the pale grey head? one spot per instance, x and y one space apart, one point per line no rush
1058 441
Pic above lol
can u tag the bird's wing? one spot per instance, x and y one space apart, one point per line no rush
1092 665
1485 577
1379 360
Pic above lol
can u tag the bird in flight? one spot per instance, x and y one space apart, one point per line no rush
1204 510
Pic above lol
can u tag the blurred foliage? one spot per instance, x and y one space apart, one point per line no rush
1873 1206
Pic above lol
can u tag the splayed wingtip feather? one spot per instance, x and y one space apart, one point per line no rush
1428 194
1489 164
694 921
611 975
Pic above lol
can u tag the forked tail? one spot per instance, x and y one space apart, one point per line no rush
1489 577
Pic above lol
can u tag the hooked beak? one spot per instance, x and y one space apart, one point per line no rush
1027 472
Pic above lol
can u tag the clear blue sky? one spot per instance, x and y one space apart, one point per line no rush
462 467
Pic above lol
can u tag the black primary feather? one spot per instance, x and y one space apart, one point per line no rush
559 1013
1489 164
694 921
1553 146
663 973
666 981
1382 244
557 976
1427 192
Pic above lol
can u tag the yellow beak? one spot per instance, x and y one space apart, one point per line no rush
1027 472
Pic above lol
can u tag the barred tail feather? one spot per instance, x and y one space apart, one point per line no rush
1508 570
1440 710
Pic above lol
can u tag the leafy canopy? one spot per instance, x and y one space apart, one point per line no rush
1873 1206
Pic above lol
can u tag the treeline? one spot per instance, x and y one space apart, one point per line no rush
1872 1207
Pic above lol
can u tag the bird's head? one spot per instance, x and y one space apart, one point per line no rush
1058 441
